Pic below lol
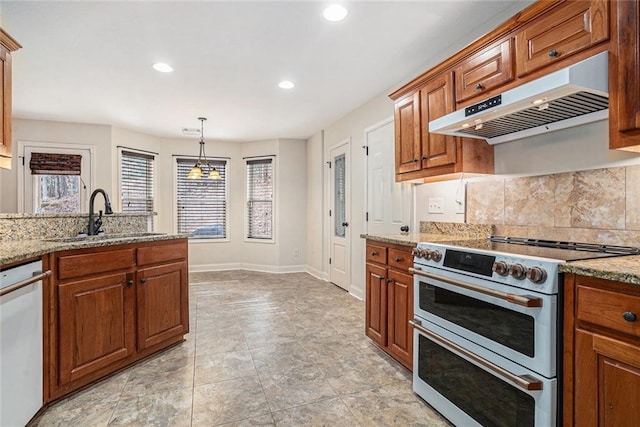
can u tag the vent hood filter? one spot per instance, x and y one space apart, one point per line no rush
569 97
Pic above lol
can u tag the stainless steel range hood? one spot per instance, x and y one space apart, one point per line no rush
569 97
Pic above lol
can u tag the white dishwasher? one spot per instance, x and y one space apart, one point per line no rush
20 343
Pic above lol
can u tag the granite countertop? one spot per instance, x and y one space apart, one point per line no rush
412 239
624 269
17 250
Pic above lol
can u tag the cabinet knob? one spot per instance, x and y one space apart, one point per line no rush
129 282
398 259
389 281
553 53
415 160
424 157
629 316
374 253
345 224
143 280
479 86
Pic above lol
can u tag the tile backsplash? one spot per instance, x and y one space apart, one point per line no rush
600 205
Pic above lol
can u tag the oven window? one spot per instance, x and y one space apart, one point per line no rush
509 328
485 398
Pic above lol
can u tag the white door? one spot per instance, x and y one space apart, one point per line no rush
339 257
389 204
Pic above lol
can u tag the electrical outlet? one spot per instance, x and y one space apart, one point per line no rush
435 205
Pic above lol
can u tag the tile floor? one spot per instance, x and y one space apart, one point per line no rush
264 349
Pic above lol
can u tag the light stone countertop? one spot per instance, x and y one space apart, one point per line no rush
624 269
412 239
12 251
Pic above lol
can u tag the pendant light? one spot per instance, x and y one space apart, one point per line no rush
202 166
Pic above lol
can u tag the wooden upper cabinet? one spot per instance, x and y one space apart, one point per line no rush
7 45
567 29
407 133
487 69
436 101
624 78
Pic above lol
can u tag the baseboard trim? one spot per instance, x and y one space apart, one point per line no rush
203 268
320 275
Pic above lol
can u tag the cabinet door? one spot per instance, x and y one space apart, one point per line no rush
376 304
163 307
624 79
485 70
407 134
400 306
96 324
607 381
571 27
436 101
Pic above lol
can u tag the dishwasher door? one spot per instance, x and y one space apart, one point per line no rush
20 345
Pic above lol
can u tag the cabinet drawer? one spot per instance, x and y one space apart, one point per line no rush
607 308
162 252
485 70
567 29
400 259
97 262
377 254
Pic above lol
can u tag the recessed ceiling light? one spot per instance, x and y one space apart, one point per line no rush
162 67
286 84
335 12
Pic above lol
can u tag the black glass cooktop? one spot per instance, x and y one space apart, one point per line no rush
555 250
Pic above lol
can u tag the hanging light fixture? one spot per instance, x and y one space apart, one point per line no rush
203 166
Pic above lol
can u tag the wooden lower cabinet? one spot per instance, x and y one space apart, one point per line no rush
110 307
389 300
602 353
96 324
162 298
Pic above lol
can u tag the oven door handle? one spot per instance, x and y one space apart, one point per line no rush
525 382
522 300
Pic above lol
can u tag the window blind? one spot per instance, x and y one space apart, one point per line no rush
202 203
136 182
260 198
55 164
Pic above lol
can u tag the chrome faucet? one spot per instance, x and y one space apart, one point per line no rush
94 226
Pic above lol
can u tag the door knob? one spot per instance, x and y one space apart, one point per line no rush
345 224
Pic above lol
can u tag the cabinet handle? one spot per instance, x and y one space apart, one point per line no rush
374 253
389 281
424 157
345 224
629 316
377 276
415 160
129 282
143 280
479 86
553 53
398 259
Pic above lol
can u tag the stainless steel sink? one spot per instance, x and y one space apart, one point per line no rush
101 237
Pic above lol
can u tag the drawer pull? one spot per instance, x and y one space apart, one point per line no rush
129 282
479 86
143 280
398 259
374 253
629 316
553 53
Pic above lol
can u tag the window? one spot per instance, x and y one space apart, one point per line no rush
56 182
202 203
136 181
260 198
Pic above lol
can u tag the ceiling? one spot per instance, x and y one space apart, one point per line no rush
90 61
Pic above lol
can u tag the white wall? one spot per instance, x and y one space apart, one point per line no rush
233 252
98 136
315 231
